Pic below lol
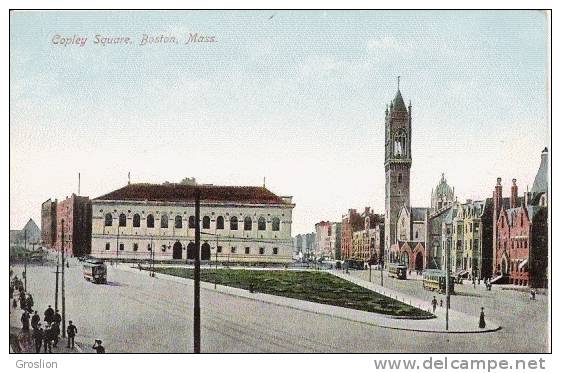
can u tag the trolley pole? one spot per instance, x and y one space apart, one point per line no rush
446 259
197 278
62 284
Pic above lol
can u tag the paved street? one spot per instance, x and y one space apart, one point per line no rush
135 313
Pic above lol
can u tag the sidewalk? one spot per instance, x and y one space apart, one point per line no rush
459 322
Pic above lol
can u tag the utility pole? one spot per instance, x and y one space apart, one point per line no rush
446 259
25 260
152 269
62 284
56 283
197 278
216 257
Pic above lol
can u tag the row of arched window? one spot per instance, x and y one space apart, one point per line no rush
178 223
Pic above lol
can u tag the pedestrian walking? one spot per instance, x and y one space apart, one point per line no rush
441 303
47 339
71 332
49 315
98 347
35 320
14 303
55 332
29 303
57 318
482 319
22 299
25 321
473 282
532 294
434 304
38 336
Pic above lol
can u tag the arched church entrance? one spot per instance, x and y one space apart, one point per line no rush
419 262
405 258
177 250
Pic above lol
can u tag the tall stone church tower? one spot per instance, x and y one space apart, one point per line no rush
397 164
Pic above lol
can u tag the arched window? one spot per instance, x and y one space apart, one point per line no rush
108 220
122 220
247 223
234 223
206 222
178 222
191 221
276 224
261 224
150 221
136 221
164 221
220 222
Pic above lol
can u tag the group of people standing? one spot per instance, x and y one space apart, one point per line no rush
47 336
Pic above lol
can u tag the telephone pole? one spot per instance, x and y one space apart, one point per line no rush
197 278
56 284
25 260
62 284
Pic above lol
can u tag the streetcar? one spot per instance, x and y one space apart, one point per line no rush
95 271
435 280
397 270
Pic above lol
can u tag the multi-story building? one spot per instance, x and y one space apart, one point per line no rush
362 235
323 240
304 244
335 240
521 232
238 224
74 216
48 223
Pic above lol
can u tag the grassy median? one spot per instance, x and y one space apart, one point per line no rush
311 286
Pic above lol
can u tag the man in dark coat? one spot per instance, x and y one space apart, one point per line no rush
57 318
98 347
35 320
47 339
38 336
482 319
25 321
71 332
49 315
55 331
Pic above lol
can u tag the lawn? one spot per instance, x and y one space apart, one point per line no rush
319 287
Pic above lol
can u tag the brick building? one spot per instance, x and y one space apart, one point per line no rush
76 211
362 235
520 234
48 223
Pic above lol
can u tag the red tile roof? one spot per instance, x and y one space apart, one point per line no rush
186 193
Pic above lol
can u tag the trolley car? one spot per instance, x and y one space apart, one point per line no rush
397 270
95 271
435 280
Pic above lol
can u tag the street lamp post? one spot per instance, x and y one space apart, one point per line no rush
118 232
197 279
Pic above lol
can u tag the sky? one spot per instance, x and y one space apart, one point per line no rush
297 97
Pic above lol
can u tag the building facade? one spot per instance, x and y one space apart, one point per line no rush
48 223
238 224
362 235
521 232
74 216
323 248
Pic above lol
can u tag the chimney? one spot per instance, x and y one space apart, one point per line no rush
498 195
513 194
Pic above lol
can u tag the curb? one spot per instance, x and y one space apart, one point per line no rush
236 292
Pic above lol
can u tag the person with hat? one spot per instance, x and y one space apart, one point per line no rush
98 347
49 315
482 319
35 320
71 332
38 336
